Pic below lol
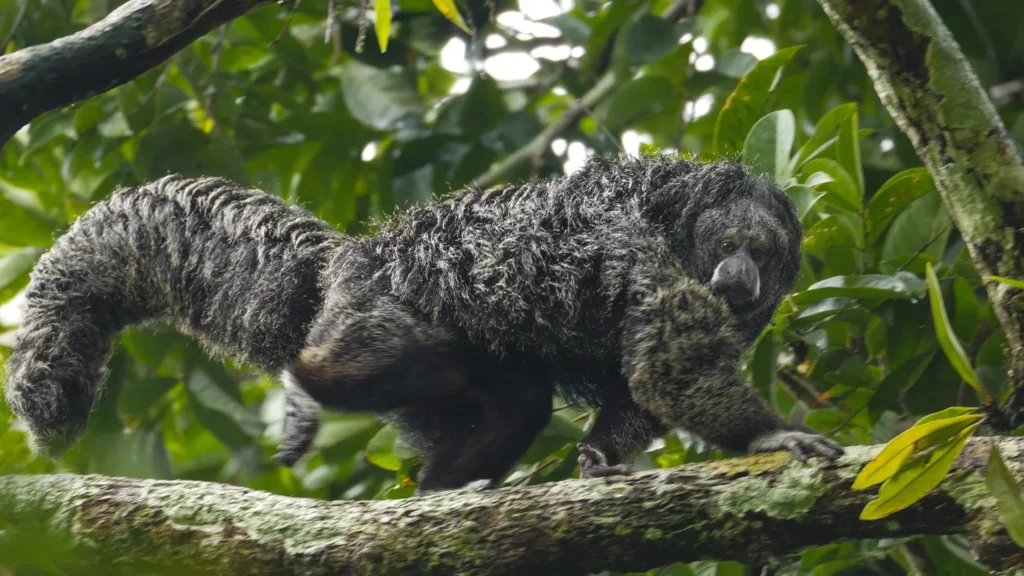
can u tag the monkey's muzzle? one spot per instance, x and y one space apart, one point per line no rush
736 279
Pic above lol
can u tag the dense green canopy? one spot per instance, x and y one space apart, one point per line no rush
298 100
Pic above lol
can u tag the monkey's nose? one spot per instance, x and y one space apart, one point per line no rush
737 281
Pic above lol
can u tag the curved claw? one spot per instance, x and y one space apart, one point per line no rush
594 464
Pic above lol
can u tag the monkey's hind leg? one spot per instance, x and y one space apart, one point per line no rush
478 443
367 354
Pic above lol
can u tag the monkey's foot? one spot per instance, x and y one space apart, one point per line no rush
474 486
594 464
803 445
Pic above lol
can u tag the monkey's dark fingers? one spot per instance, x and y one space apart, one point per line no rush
590 455
803 445
594 464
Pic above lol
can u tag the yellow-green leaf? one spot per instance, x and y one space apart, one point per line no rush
1004 488
448 9
382 25
889 461
951 412
917 479
947 338
1008 281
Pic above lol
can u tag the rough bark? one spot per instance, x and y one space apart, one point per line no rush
134 38
932 93
755 510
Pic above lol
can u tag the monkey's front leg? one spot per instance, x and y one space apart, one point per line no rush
622 431
681 353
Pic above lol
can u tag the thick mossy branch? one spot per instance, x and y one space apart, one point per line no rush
752 509
931 91
134 38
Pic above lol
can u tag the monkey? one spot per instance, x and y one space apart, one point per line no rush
633 285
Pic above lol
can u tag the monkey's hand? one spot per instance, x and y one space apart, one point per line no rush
803 445
594 464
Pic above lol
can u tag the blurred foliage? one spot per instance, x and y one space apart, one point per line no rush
295 100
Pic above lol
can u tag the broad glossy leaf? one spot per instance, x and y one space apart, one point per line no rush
875 286
746 103
917 479
1005 489
380 449
382 24
848 151
448 9
769 143
965 310
825 134
804 198
843 188
947 337
378 98
830 233
899 449
897 192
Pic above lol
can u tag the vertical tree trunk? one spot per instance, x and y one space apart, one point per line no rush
932 93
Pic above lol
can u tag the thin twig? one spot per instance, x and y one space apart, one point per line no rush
287 23
926 245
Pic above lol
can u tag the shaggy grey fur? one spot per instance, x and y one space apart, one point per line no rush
457 321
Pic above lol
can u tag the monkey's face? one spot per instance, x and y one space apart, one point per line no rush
746 254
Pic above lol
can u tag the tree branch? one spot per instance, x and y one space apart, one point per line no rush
753 509
132 39
932 93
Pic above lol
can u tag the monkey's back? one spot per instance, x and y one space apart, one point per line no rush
515 269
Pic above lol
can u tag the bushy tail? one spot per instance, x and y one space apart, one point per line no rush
238 269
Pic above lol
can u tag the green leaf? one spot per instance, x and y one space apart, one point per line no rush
377 98
634 99
1004 488
382 24
899 449
15 266
947 338
138 396
448 9
894 196
897 381
843 188
380 449
1008 281
746 103
951 412
648 39
917 479
873 286
209 395
923 221
825 134
20 226
769 143
848 152
804 198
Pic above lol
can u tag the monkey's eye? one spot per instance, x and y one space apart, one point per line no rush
728 246
756 253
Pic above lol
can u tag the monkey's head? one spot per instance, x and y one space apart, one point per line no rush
738 234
